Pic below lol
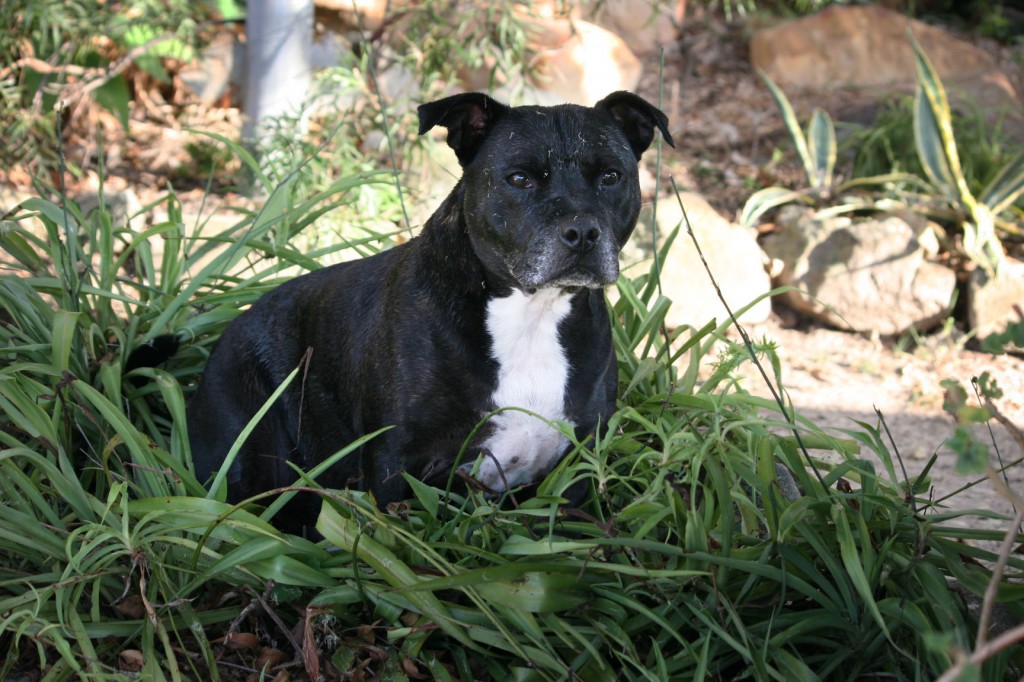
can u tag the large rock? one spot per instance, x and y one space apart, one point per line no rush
867 47
869 275
219 69
645 25
732 253
570 61
994 302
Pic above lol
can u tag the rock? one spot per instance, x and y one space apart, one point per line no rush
867 47
329 49
866 275
121 205
732 253
644 25
995 302
572 61
218 70
366 14
860 47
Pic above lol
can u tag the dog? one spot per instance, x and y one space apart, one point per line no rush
498 303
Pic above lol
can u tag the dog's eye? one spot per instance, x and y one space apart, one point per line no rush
519 180
610 177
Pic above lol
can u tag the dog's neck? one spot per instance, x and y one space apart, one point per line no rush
449 262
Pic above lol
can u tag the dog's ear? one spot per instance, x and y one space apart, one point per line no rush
637 118
468 118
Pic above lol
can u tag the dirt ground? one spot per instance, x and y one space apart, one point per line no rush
837 379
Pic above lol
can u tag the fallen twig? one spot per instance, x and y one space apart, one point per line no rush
982 653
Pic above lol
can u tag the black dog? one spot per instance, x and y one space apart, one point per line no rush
498 303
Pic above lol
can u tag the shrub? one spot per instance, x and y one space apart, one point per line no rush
79 50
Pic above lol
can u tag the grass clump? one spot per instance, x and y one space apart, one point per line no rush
688 560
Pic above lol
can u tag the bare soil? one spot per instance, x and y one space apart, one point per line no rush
837 379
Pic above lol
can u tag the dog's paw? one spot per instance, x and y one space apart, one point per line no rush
515 457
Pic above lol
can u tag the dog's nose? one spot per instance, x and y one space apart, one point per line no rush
580 237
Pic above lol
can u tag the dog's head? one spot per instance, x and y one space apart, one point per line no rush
551 194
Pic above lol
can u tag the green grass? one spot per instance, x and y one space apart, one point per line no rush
685 562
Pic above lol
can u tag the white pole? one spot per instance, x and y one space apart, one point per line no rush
279 34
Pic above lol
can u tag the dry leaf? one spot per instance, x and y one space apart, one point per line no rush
131 607
310 655
242 640
410 668
131 661
270 657
365 633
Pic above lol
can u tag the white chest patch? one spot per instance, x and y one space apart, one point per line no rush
532 374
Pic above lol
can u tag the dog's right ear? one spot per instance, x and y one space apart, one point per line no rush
468 118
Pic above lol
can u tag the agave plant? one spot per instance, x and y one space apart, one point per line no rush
936 147
976 216
817 150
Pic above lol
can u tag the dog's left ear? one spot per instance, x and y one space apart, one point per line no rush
637 118
468 118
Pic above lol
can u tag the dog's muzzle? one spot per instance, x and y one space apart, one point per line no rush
577 253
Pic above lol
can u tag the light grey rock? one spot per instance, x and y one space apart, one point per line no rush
219 68
732 253
867 275
121 205
995 302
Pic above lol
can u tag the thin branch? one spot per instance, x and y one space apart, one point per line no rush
1011 428
992 589
285 630
1001 486
1001 642
790 418
45 67
114 69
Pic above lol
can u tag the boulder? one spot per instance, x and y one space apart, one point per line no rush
369 15
993 302
219 69
121 205
865 275
867 47
571 61
732 253
644 25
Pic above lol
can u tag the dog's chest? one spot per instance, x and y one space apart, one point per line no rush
532 365
533 372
